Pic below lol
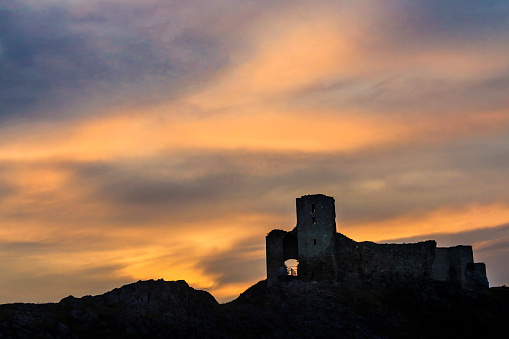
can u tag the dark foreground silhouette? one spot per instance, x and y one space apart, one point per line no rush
160 309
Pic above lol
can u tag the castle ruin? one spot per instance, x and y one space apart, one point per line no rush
326 255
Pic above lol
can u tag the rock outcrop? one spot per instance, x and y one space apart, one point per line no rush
143 309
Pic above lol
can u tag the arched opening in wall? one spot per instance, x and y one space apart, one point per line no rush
292 266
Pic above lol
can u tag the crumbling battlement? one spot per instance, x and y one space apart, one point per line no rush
325 255
369 261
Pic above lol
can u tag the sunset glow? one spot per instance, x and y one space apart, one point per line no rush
164 139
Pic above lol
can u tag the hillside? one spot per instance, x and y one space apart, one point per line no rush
160 309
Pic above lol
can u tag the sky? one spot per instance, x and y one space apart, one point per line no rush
164 139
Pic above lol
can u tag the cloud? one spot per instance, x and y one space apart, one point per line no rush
242 263
381 182
402 97
405 180
49 287
167 138
464 18
468 237
6 189
494 245
109 51
39 270
402 60
52 57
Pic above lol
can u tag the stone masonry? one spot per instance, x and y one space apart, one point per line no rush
325 255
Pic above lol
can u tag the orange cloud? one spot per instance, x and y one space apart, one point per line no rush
286 57
119 136
247 106
134 135
442 220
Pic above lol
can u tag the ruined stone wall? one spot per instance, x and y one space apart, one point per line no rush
368 261
320 268
280 246
459 258
274 254
476 276
441 264
456 264
325 255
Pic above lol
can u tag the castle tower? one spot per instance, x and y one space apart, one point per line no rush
316 229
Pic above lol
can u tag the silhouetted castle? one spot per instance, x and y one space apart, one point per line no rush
325 255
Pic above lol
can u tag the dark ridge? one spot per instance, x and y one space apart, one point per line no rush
161 309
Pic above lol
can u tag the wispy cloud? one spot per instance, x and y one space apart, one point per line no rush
164 139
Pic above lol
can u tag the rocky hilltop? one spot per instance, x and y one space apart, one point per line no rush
161 309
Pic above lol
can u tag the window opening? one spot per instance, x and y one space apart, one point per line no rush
292 267
314 241
314 220
313 209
